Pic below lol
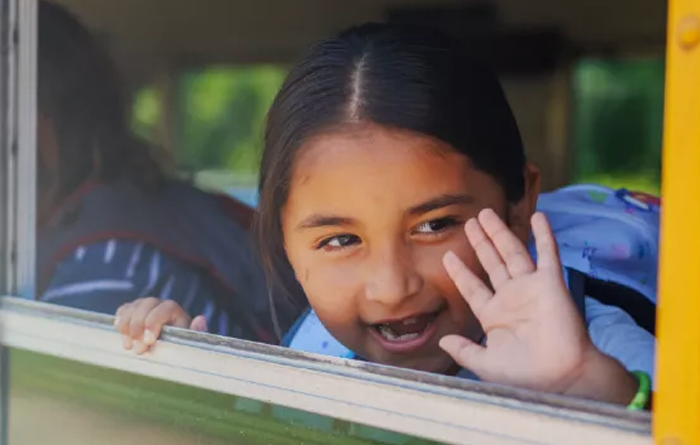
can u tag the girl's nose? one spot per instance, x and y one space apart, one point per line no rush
392 278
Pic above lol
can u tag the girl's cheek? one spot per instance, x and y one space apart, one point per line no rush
464 250
431 256
434 273
332 289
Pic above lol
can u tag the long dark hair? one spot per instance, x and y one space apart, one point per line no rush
397 76
80 94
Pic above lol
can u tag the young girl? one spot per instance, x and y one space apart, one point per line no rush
384 146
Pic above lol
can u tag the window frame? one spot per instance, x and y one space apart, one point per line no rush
8 53
431 406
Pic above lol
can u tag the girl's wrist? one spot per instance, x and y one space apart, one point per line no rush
604 379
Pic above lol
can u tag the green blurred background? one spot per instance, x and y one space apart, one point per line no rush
616 124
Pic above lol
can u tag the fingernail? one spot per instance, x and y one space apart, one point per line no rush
127 343
141 348
448 343
450 260
116 321
149 337
487 211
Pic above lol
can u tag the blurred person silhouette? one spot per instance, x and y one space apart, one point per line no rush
113 225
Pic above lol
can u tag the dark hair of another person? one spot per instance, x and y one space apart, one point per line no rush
80 95
400 77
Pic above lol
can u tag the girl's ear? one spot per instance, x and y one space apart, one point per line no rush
520 212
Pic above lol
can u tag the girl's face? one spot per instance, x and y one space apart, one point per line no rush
369 216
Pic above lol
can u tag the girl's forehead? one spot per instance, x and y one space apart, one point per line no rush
380 166
375 149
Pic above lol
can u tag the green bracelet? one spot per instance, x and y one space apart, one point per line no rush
641 399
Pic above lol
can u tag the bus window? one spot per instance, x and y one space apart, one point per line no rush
81 403
65 370
206 120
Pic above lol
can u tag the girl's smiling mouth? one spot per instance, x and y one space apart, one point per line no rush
408 334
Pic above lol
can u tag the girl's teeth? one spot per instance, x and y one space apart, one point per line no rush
391 336
410 321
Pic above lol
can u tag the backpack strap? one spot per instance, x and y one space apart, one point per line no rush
576 280
609 293
639 307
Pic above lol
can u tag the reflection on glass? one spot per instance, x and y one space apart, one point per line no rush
64 402
618 120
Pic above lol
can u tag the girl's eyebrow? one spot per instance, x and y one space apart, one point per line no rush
315 221
440 202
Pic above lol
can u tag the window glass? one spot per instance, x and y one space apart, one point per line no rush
220 113
167 240
79 403
618 122
147 112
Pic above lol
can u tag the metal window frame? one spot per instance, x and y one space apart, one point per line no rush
8 139
435 407
18 115
8 61
26 156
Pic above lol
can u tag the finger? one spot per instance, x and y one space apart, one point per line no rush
512 250
166 313
199 324
488 256
473 290
137 327
138 316
121 323
123 317
546 244
465 352
119 315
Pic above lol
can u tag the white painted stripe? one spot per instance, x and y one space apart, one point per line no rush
110 250
153 274
70 290
209 311
223 323
135 257
168 288
80 253
191 293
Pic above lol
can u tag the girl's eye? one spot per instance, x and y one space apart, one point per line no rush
338 242
436 226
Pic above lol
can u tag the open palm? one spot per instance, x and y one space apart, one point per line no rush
535 337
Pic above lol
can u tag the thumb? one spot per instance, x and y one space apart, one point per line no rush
465 352
199 324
